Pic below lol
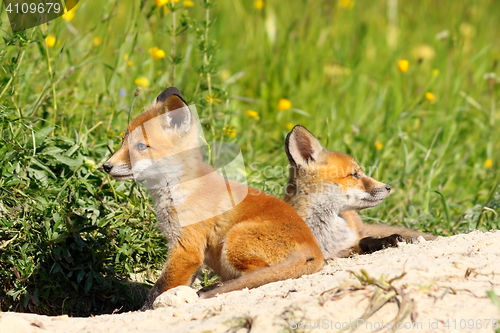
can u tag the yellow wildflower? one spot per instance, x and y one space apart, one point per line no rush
435 72
429 97
346 4
160 3
69 15
229 131
378 145
253 114
97 41
125 56
488 163
142 82
157 53
129 63
188 3
159 73
50 41
258 4
403 65
212 99
289 126
89 164
284 104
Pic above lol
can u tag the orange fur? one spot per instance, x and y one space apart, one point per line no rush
261 240
326 188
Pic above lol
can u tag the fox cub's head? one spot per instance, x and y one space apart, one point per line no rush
157 136
328 177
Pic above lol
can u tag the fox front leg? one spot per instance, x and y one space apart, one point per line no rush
182 264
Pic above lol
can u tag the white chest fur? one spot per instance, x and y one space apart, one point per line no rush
330 229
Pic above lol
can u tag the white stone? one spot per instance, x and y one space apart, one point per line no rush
175 297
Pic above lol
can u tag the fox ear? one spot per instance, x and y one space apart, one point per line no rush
301 146
177 112
167 93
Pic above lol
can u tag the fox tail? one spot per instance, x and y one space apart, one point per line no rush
297 264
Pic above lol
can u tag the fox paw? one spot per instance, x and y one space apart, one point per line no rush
393 240
371 244
152 295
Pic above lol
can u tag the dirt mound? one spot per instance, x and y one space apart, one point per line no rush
441 285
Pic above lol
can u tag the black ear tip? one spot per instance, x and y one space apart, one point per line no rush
167 93
294 129
299 128
293 132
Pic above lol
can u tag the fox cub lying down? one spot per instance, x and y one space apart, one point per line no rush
327 188
260 240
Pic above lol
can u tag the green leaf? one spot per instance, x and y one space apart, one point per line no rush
26 299
39 175
494 298
51 150
42 166
41 134
74 148
88 282
80 276
72 162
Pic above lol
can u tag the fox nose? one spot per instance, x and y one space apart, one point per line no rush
107 167
387 187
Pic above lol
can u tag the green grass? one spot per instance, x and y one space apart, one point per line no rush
70 235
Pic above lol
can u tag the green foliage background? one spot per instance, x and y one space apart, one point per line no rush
70 237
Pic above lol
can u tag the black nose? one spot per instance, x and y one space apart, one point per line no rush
107 167
387 187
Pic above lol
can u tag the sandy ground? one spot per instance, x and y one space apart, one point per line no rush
438 286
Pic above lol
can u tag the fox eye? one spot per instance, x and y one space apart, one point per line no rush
141 146
356 175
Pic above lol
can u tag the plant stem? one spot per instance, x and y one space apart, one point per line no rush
14 73
174 44
51 75
206 62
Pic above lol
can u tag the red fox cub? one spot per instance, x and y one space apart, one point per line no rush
260 240
327 188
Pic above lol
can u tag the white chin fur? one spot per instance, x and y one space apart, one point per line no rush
359 199
352 199
121 172
142 169
126 177
157 173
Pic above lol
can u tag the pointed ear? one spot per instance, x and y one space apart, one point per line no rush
177 113
301 146
167 93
